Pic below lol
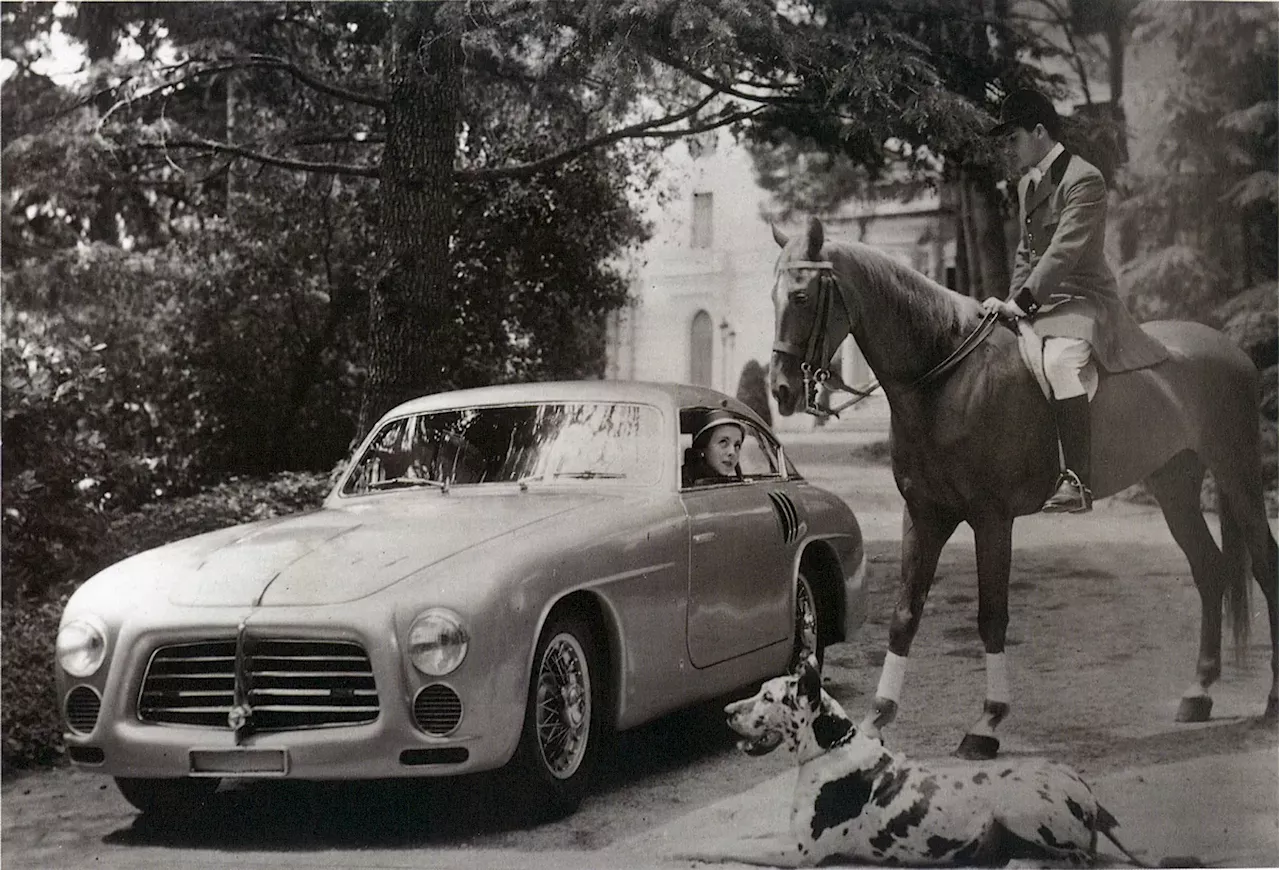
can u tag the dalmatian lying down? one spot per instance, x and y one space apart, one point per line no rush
855 800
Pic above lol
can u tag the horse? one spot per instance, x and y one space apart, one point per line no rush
972 439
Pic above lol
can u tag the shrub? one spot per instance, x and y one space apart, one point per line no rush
29 716
131 376
28 705
57 458
753 390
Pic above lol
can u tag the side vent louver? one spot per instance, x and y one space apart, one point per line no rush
787 515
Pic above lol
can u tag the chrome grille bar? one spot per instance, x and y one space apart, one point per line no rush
291 684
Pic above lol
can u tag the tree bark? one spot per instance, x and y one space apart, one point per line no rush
966 252
982 254
410 302
993 252
102 26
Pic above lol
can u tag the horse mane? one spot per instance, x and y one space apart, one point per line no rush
933 314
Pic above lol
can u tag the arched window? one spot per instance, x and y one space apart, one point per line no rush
700 349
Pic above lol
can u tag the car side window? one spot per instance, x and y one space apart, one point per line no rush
759 457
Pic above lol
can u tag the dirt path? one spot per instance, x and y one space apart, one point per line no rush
1103 635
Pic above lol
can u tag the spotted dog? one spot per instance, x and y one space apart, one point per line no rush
855 800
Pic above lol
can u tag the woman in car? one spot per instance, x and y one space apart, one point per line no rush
713 458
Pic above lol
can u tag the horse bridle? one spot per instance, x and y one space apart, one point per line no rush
815 356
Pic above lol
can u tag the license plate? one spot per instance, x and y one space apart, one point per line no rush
242 762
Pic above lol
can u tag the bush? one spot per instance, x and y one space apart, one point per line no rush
28 704
29 716
57 460
131 376
753 390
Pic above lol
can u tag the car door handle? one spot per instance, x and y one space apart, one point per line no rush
704 537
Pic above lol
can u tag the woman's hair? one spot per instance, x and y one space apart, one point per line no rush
711 421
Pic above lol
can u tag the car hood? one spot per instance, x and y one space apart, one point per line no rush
341 554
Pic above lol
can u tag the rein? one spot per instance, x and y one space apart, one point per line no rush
815 355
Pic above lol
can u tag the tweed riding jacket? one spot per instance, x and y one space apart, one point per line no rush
1060 273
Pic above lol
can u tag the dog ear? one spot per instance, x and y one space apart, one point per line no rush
810 681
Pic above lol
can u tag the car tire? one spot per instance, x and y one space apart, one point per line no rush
565 718
809 622
167 797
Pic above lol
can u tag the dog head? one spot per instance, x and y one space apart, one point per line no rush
792 709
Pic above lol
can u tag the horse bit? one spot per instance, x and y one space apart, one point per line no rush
815 356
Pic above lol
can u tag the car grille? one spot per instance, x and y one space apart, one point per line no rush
290 684
437 709
82 708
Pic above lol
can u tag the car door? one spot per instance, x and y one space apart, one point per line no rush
740 558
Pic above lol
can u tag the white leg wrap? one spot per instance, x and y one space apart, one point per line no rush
891 676
997 678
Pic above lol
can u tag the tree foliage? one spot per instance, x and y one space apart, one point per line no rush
975 55
1202 217
221 328
429 99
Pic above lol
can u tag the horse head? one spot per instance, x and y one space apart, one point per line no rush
810 320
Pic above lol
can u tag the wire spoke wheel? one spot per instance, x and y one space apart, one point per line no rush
563 706
807 622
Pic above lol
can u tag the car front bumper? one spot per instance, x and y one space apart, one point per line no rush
491 694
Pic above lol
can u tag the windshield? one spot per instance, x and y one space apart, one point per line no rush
511 444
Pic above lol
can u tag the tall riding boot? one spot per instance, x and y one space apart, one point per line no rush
1073 495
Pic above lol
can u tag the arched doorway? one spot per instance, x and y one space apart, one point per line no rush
700 349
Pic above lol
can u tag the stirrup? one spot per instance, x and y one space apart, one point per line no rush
1070 497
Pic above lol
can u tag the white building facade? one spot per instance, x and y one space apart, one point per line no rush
701 307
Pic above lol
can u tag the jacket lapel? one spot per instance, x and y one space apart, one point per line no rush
1050 183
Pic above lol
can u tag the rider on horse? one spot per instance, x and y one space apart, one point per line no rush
1061 281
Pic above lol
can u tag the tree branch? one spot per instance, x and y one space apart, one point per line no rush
644 130
322 168
357 138
310 80
719 86
1063 20
199 69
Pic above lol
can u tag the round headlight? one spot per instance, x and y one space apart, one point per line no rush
81 647
437 642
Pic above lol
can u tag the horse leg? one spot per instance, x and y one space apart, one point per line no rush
993 546
1176 487
925 529
1266 568
1243 512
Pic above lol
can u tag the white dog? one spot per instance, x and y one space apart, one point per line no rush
855 800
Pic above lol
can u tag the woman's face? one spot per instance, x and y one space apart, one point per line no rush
722 450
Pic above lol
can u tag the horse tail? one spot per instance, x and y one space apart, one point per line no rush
1235 553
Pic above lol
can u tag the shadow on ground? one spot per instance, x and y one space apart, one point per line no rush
425 812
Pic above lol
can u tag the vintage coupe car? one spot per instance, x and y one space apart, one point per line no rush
499 577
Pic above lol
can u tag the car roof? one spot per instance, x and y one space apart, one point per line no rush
663 394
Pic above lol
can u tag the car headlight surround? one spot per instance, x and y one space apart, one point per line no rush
81 646
437 642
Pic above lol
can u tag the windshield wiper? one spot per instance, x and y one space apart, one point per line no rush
590 475
400 482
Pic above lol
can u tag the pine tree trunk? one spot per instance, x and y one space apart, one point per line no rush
993 252
411 301
982 253
971 277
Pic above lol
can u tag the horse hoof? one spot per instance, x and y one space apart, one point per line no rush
1195 709
978 747
1272 713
